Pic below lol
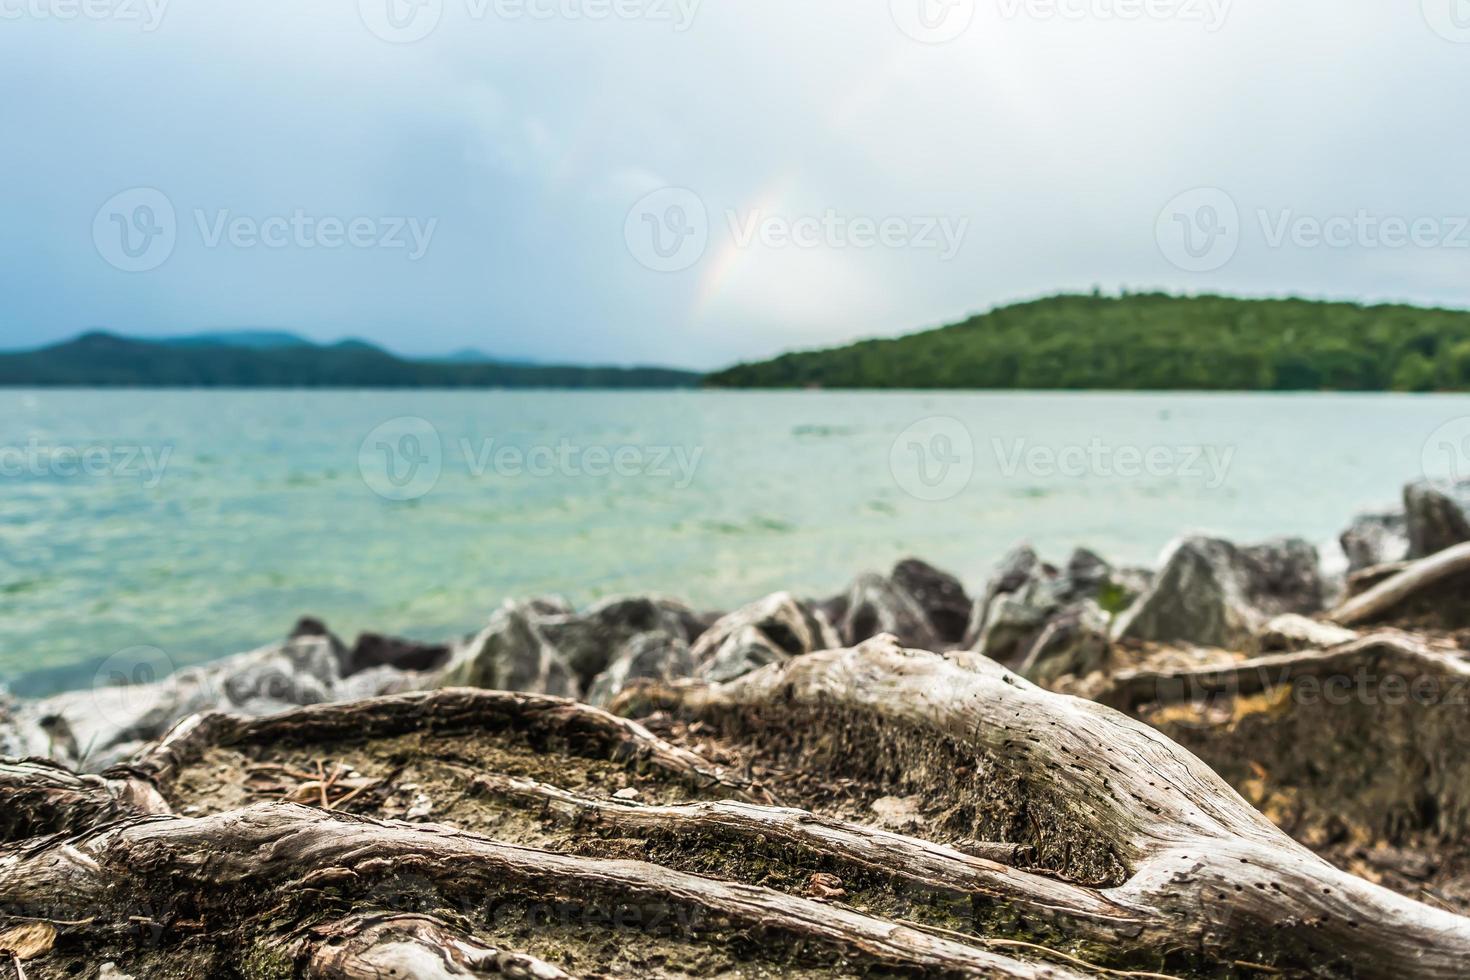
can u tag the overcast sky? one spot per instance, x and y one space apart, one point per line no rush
693 182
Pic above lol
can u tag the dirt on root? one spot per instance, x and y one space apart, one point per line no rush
429 777
418 777
1375 785
432 777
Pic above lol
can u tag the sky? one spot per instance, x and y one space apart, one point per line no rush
695 182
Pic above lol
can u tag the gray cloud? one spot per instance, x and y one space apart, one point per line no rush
1057 133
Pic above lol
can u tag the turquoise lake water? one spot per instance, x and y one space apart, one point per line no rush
204 522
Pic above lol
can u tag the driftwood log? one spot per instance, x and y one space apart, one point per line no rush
1068 840
1415 579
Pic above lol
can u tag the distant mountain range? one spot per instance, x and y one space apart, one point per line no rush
472 355
1149 341
260 359
1137 341
252 339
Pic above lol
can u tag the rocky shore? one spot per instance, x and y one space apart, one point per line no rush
1076 727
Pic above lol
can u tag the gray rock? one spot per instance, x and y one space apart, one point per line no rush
375 650
770 630
657 656
310 626
1016 568
1123 587
588 640
511 653
92 728
375 681
1014 620
549 605
873 605
742 651
21 732
1015 573
1025 595
1375 539
544 646
1284 576
1113 587
1086 574
83 728
300 671
1073 642
1437 516
1214 593
939 594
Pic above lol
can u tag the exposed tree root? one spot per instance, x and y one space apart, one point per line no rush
1131 853
1415 579
542 720
1358 750
242 865
40 797
373 947
918 864
1191 850
1383 650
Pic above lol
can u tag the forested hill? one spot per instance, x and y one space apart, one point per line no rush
1150 341
108 359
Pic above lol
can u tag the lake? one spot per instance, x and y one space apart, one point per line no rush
204 522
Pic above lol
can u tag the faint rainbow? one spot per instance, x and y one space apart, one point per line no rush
848 109
722 265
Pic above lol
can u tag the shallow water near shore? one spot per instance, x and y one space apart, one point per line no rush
204 522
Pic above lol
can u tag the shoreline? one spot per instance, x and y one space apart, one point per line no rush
1133 769
1028 613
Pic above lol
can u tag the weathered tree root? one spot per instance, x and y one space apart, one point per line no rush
1358 749
1384 651
373 947
541 719
40 797
1414 580
1139 847
1089 787
917 864
242 865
